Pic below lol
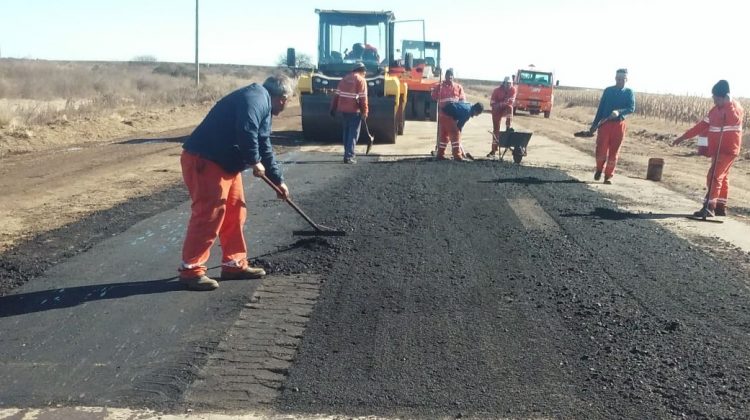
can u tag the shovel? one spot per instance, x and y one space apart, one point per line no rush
370 138
318 230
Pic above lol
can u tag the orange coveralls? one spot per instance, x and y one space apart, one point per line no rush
448 128
234 135
501 102
218 208
723 123
608 141
351 95
351 100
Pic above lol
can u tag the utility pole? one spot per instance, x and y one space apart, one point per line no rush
197 66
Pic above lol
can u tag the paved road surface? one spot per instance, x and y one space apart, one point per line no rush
472 289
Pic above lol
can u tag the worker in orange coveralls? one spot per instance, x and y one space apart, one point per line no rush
447 92
722 125
234 136
617 102
350 100
501 102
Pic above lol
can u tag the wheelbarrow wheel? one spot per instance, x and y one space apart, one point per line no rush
517 154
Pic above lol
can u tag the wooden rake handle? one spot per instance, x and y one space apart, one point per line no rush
290 202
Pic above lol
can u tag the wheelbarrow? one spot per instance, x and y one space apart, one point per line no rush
515 141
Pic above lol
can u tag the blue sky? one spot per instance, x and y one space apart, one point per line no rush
669 46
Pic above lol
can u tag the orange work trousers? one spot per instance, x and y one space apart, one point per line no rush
448 131
718 182
608 141
218 209
497 116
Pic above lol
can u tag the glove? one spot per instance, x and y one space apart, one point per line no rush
332 113
614 115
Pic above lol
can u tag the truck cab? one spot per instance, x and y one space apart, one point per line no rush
534 92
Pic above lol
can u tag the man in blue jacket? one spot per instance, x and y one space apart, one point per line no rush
460 113
234 136
617 102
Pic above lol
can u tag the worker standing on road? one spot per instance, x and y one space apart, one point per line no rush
234 136
351 101
723 127
447 92
617 102
501 102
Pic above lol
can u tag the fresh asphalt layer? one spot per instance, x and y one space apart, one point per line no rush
112 326
472 289
494 289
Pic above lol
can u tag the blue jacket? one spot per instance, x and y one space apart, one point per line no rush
622 100
236 133
459 111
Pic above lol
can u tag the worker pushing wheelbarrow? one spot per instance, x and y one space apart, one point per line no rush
515 141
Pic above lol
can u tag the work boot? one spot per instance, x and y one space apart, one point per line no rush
720 210
607 180
597 175
246 273
493 152
441 155
199 283
704 212
350 160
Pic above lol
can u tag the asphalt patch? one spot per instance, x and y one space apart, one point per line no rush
442 303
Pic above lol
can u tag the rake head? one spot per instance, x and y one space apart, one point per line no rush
320 230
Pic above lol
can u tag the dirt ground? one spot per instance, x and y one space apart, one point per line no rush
62 173
69 170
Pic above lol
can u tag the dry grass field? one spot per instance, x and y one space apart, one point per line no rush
668 108
45 104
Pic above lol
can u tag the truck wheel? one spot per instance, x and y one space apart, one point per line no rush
409 112
420 110
546 114
401 117
390 137
432 111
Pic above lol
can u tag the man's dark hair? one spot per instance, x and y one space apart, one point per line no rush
477 108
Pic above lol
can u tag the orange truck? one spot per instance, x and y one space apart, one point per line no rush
534 91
